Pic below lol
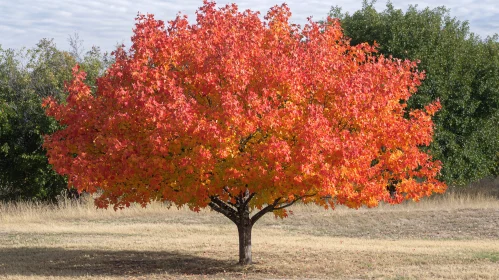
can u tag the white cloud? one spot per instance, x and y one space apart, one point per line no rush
107 22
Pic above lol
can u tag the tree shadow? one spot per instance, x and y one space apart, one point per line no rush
67 262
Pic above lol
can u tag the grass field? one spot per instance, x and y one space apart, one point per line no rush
453 236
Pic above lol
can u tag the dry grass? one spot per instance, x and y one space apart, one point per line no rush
453 236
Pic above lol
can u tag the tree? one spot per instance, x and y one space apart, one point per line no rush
26 77
245 117
462 71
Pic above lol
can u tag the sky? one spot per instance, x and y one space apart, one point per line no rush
106 23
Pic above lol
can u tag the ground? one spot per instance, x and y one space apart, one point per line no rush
454 236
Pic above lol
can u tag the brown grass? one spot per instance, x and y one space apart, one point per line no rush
453 236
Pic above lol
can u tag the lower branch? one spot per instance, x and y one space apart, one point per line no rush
221 207
268 208
286 205
282 206
276 205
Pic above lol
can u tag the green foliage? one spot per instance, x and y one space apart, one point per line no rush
491 256
26 77
462 70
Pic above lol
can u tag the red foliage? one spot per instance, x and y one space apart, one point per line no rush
233 103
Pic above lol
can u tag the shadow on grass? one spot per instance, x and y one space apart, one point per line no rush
61 262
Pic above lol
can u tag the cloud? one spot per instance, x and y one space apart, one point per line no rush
105 23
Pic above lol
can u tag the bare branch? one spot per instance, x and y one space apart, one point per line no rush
76 45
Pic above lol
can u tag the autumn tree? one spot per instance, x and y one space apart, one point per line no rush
246 117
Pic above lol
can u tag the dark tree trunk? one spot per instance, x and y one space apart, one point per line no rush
239 213
244 230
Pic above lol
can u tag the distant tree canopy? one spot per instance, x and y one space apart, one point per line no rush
26 77
462 71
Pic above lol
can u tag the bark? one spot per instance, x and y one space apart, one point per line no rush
244 229
239 213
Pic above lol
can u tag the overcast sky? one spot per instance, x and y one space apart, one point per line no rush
105 23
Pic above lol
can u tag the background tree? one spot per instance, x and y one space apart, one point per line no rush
26 77
462 71
246 117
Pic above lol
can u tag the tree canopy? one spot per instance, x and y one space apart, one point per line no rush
462 71
26 77
244 115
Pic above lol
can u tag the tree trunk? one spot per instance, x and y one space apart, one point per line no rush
239 213
244 231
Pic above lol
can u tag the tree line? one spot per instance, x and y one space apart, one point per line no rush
462 71
27 76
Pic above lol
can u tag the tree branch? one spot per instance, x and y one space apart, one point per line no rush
244 141
226 189
221 207
292 202
248 199
286 205
214 207
223 204
264 211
